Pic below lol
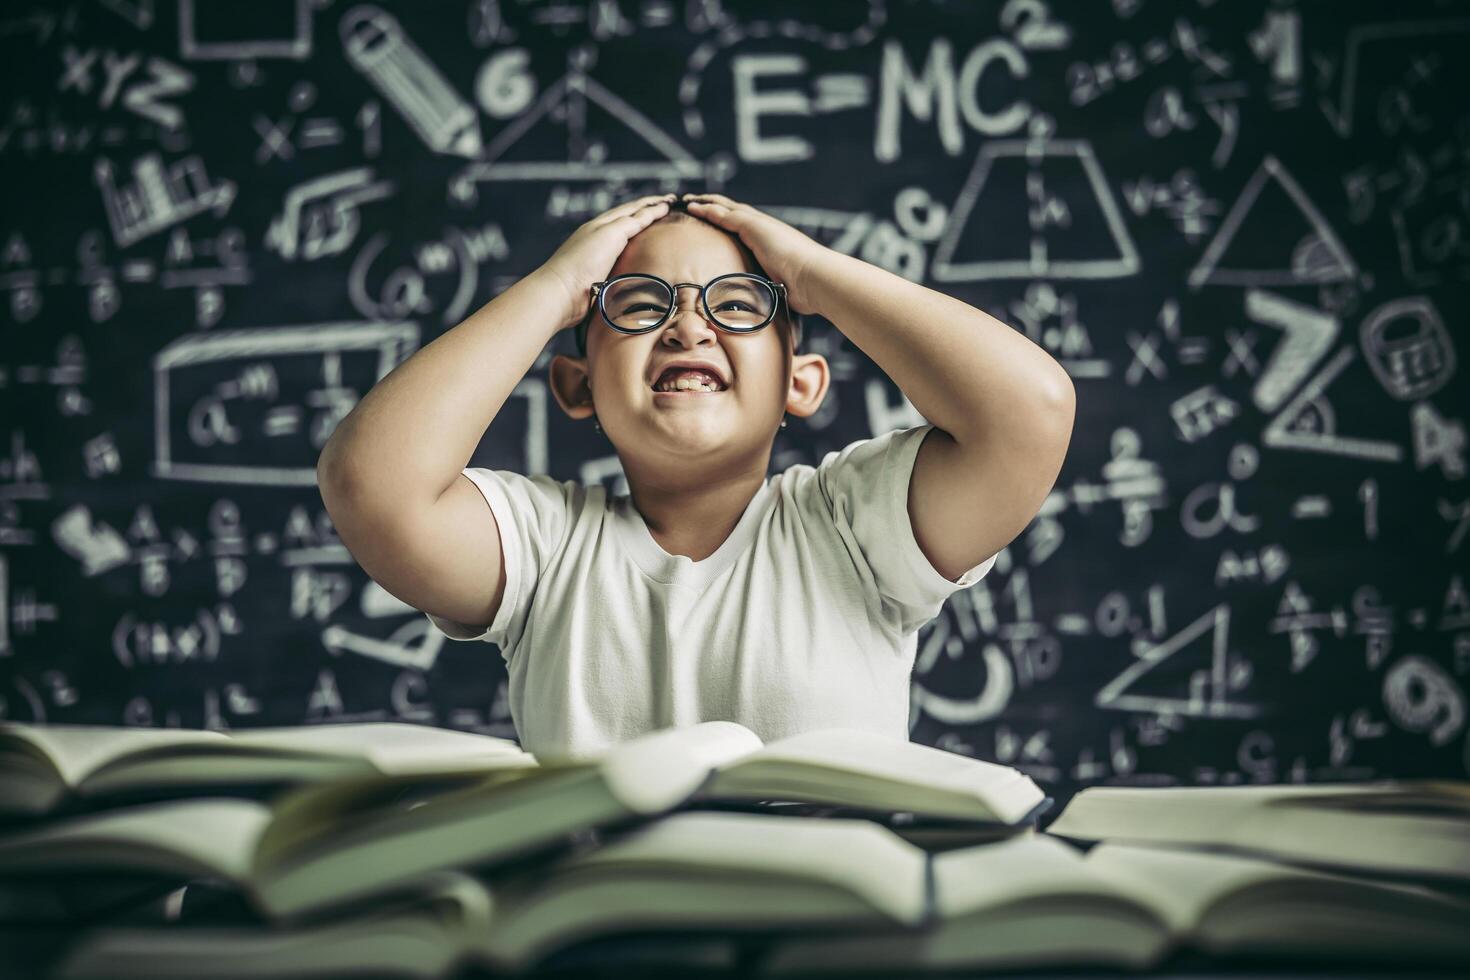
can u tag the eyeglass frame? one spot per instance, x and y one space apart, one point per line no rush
599 291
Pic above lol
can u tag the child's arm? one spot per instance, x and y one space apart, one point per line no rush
1004 406
408 438
390 475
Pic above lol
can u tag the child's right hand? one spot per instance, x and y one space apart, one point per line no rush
588 255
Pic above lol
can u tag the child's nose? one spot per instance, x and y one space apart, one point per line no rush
690 322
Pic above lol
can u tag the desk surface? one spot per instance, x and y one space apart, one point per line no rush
693 958
715 956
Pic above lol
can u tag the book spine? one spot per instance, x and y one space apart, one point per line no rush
931 898
697 793
1033 816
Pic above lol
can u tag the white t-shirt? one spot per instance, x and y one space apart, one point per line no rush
806 617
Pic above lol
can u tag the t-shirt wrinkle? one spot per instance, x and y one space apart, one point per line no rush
807 615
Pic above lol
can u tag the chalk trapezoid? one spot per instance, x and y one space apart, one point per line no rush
1032 258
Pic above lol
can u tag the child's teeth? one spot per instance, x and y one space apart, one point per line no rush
688 384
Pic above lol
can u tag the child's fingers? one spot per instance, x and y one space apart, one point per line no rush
633 207
719 199
643 217
712 211
718 207
644 203
651 213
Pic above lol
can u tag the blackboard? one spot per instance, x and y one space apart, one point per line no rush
1243 228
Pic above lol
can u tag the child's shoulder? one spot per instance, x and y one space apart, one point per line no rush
538 492
870 455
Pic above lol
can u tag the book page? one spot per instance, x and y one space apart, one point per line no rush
1183 883
1411 797
1294 823
663 768
1017 904
1006 792
216 836
989 875
393 747
1213 812
419 932
77 750
859 750
861 857
1236 900
1158 813
340 813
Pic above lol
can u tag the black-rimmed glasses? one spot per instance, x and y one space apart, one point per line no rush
737 302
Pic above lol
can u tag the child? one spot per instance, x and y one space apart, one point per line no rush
709 591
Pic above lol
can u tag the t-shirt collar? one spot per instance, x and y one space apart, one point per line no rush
664 567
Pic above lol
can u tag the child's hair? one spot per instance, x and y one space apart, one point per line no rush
678 211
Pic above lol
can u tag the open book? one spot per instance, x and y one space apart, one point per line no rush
865 771
1038 901
691 873
745 872
340 840
336 841
45 767
1407 828
421 932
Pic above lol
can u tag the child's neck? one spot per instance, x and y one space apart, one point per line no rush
694 521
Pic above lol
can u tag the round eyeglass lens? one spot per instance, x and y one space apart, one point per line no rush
742 302
635 303
638 303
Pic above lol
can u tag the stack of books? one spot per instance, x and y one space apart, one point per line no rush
400 850
1128 877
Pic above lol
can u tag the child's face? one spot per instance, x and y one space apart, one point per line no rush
615 380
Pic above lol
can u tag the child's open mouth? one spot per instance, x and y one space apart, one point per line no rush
688 381
691 391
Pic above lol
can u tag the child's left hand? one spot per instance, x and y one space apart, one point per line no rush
787 255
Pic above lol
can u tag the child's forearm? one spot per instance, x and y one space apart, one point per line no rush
965 371
412 433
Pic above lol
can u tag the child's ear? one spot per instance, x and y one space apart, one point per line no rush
570 385
810 378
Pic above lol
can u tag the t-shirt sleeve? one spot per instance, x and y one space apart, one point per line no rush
532 514
866 485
